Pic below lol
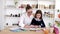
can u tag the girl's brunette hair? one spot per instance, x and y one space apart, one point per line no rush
38 12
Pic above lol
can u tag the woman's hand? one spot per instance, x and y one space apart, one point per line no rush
26 26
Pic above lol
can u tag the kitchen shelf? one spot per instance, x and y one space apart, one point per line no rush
9 16
57 19
46 4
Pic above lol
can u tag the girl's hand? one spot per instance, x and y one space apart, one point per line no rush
36 26
32 26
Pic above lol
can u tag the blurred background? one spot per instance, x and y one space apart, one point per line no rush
11 10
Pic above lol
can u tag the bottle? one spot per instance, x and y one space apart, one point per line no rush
18 15
11 15
46 31
49 24
15 15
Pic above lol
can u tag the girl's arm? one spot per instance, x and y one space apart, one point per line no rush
42 24
32 22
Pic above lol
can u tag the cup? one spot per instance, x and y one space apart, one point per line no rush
46 31
51 30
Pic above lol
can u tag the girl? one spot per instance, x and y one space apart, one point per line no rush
37 21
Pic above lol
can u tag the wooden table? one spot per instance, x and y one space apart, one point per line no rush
6 31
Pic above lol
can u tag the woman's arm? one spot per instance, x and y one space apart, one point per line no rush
21 21
33 24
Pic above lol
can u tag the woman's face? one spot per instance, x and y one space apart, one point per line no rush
38 16
29 12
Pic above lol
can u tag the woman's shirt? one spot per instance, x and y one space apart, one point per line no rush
25 20
37 22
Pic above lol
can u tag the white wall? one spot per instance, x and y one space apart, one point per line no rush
57 4
2 14
57 7
9 2
45 3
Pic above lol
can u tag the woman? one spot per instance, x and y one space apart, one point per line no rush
26 18
37 21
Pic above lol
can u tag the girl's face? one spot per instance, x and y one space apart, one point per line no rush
38 16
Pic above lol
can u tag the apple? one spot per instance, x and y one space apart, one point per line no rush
58 15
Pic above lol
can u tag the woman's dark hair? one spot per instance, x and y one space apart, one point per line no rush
38 12
28 7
